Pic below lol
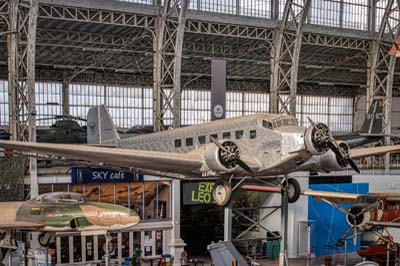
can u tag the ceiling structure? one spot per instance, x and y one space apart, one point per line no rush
112 41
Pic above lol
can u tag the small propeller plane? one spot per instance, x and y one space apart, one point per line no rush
261 145
368 212
61 211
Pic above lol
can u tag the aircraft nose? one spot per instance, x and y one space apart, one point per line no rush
133 217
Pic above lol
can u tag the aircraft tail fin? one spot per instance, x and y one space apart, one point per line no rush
373 119
100 127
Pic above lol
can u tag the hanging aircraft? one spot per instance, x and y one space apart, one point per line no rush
371 129
59 212
261 145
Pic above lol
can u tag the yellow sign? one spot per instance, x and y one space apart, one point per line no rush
198 193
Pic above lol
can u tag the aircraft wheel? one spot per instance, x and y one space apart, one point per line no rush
294 190
222 193
44 240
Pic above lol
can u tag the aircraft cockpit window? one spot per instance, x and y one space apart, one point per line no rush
253 134
64 197
189 142
278 123
202 139
239 134
267 124
178 143
226 135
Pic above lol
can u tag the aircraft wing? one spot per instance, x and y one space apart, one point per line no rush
336 197
21 226
140 159
364 152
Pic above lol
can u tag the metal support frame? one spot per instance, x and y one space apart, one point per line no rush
168 43
285 57
21 45
380 80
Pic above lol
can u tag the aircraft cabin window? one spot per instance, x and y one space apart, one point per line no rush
267 124
189 142
178 143
239 134
226 135
215 136
202 139
253 134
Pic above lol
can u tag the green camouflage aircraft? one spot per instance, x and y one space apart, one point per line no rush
60 212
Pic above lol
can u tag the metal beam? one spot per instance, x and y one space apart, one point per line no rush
168 43
285 57
21 44
380 76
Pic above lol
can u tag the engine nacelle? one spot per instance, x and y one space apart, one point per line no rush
316 138
331 162
218 160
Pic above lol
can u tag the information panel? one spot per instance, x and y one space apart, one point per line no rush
100 175
198 193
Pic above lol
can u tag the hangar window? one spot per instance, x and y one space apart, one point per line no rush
239 134
214 136
202 139
226 135
267 124
189 142
253 134
178 143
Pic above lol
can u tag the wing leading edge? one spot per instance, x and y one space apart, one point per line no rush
140 159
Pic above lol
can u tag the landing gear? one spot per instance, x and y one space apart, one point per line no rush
222 193
293 189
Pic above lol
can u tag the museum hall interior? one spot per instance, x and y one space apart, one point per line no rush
199 132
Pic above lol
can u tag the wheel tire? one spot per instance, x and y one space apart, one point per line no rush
294 190
42 242
228 189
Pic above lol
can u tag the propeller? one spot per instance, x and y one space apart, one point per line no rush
342 152
232 156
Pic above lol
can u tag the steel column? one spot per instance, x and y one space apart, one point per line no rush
21 45
380 80
285 57
168 43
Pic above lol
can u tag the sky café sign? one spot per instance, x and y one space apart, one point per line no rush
100 175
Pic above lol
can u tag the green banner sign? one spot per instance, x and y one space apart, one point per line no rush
198 193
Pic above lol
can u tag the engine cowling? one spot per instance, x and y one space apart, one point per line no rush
356 218
316 138
331 162
219 160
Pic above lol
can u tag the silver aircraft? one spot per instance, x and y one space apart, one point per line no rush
260 145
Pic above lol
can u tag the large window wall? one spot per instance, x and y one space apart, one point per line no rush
348 14
131 106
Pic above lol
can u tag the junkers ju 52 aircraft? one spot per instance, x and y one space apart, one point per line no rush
262 145
61 211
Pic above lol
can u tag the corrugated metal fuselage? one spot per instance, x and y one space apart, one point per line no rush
277 149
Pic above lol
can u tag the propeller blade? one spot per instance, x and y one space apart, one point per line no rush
219 145
353 165
335 149
355 234
311 122
244 166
